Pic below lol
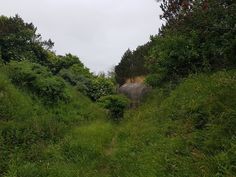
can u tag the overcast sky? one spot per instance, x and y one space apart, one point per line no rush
98 31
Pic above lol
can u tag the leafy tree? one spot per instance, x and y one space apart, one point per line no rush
116 104
19 41
99 87
112 75
57 63
122 70
174 57
198 36
74 73
132 64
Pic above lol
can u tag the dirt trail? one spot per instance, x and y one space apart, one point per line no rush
109 151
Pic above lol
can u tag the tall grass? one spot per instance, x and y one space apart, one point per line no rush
28 128
185 132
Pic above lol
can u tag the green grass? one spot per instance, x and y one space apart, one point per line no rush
185 132
190 132
28 128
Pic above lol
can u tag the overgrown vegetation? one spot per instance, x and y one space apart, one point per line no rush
187 132
55 115
116 104
198 36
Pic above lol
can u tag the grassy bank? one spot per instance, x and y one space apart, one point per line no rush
188 131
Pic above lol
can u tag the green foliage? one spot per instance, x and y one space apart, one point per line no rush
69 61
187 130
90 144
116 104
92 86
209 105
19 41
28 127
13 104
98 87
31 131
79 76
198 36
180 133
76 74
174 57
132 64
122 70
154 80
38 80
51 89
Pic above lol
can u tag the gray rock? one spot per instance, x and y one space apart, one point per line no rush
135 92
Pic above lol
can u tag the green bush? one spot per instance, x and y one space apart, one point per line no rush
116 104
173 57
78 76
38 80
52 89
92 86
73 77
154 80
99 87
58 63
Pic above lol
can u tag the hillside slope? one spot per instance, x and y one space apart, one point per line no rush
52 123
189 131
30 130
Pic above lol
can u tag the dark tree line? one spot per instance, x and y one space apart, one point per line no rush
19 41
197 36
132 64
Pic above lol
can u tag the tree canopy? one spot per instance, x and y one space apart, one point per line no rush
197 36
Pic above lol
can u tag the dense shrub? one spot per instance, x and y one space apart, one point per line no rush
28 127
98 87
198 36
153 80
38 80
51 89
116 104
92 86
75 74
174 57
69 62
